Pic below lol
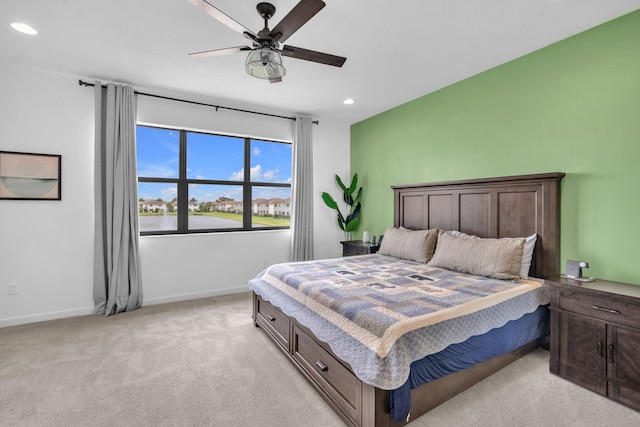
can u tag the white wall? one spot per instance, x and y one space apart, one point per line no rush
46 247
330 157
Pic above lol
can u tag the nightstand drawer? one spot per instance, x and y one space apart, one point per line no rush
358 247
600 308
354 250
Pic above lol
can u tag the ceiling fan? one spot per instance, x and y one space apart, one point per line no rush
265 59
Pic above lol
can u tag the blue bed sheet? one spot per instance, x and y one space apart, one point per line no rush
475 350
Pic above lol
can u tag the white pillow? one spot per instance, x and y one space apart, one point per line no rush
527 250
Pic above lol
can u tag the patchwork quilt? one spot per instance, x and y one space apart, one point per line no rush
379 313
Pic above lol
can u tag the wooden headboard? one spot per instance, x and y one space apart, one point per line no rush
512 206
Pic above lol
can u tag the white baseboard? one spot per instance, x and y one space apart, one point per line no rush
185 297
22 320
33 318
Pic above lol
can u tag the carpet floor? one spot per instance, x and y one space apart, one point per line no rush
203 363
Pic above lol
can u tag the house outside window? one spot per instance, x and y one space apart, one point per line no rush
190 182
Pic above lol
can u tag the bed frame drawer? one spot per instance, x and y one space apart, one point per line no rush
339 384
273 321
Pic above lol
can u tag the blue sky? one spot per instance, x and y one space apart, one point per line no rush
212 157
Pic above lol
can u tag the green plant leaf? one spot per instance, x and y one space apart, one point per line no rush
352 199
352 225
356 211
341 185
357 198
328 200
354 183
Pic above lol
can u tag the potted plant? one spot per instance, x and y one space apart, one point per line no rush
351 198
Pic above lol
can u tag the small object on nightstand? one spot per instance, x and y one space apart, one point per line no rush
365 237
573 271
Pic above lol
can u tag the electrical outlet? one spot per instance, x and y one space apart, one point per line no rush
13 289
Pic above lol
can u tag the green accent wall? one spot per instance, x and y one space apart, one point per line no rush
572 107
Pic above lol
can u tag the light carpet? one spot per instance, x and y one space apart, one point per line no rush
203 363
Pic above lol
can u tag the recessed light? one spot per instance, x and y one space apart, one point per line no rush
348 101
24 28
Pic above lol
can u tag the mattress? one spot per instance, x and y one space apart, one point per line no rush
380 314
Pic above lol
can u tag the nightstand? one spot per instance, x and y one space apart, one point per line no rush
595 336
358 247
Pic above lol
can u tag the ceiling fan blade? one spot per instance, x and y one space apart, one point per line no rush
224 18
312 55
296 18
219 52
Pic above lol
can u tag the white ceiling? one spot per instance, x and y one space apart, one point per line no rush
396 51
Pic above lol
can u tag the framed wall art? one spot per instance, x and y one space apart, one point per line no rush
29 176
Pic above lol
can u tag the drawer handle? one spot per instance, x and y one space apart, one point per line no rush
608 310
322 366
610 348
600 348
271 318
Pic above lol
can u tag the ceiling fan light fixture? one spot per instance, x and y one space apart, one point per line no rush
265 63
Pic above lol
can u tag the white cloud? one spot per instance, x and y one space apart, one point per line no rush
257 174
269 175
237 176
166 194
156 170
169 193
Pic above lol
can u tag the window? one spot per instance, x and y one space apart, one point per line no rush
191 182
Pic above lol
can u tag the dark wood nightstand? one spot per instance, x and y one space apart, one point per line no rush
358 247
595 336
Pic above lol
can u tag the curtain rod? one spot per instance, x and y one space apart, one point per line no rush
315 122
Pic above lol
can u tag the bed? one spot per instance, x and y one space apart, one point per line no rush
375 370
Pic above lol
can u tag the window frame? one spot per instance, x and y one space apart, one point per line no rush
182 183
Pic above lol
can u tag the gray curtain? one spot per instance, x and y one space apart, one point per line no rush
302 197
116 277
